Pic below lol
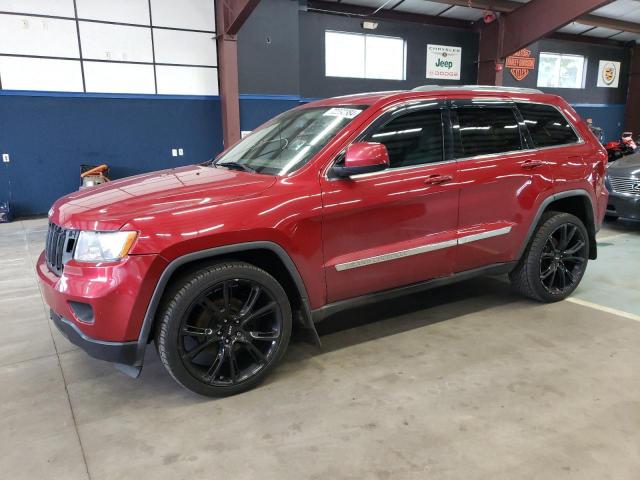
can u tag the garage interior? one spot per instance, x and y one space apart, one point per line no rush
463 381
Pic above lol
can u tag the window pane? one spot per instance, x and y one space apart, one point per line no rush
412 139
385 58
548 71
561 71
547 126
344 54
291 139
357 55
488 130
571 71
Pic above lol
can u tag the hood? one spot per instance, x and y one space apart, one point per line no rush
626 167
113 204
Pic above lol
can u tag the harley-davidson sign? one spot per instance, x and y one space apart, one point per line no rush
520 63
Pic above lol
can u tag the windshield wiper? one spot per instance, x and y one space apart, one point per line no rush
235 166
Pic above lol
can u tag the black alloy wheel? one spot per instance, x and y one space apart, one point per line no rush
223 328
555 259
563 259
230 332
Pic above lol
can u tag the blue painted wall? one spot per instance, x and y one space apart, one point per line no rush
257 109
608 117
48 137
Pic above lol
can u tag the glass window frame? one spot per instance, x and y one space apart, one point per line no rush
219 161
560 57
395 112
458 153
532 143
364 53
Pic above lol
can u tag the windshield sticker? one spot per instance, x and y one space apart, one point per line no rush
342 112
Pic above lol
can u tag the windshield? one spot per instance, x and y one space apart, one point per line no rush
289 141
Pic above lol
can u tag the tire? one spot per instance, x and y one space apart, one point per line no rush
548 270
224 328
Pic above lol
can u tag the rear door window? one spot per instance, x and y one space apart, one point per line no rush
546 125
487 130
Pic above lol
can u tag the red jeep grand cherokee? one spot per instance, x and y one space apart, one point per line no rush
330 205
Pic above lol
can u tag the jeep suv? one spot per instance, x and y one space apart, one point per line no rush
327 206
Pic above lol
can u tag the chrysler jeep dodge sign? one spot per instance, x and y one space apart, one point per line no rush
444 62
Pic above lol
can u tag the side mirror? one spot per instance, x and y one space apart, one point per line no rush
363 157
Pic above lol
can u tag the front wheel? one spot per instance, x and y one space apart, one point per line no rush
556 259
225 329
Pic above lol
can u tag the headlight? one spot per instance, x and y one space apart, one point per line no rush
103 246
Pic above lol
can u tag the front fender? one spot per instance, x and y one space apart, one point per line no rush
149 318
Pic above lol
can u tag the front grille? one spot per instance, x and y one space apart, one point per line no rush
625 185
59 247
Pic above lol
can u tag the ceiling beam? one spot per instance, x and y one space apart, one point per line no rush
236 12
570 37
598 21
501 6
507 6
368 13
517 29
520 30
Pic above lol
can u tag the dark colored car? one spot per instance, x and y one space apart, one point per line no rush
623 183
333 204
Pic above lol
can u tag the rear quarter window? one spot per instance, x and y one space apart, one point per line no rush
546 125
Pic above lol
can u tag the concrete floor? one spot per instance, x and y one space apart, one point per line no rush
467 381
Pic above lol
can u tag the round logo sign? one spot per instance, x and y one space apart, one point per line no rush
609 73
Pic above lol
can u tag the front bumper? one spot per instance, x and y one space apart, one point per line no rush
624 206
125 353
101 307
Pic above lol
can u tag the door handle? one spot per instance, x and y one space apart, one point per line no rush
438 179
531 164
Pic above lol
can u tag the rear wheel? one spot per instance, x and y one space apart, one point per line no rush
225 329
556 259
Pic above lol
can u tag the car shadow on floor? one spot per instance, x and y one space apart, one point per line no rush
402 314
341 330
622 225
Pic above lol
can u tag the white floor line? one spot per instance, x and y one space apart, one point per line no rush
602 308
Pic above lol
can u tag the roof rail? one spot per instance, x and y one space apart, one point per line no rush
477 88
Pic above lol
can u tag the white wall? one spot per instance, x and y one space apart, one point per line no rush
110 46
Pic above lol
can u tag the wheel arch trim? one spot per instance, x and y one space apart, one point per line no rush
170 269
543 206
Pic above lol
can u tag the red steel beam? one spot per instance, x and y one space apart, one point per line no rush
322 6
230 16
491 41
520 28
507 6
632 114
239 11
535 19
